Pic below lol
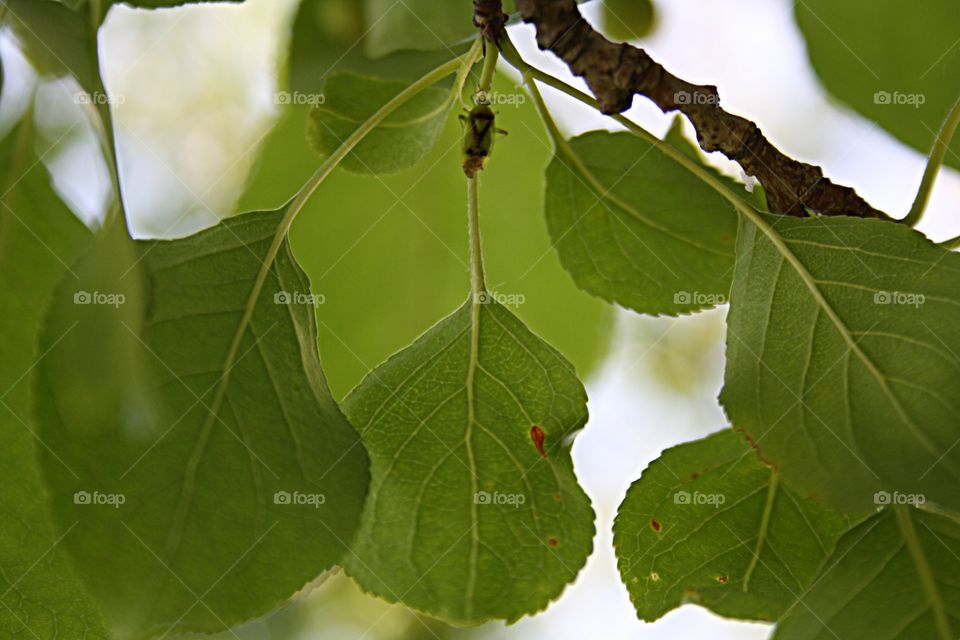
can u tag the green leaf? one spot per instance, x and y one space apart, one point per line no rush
634 227
466 520
895 66
40 595
227 479
396 144
709 522
56 40
416 24
323 41
893 576
842 362
420 24
628 19
393 266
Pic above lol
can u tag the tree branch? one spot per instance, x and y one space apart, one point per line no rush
615 72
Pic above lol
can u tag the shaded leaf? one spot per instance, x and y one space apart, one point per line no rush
893 576
628 19
634 227
842 362
895 65
709 522
56 39
398 143
467 520
41 597
220 477
416 24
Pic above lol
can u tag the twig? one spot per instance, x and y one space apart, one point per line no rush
616 72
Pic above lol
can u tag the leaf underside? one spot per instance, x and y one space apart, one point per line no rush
890 577
466 520
708 522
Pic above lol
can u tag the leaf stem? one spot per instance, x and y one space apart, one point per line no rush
491 55
764 527
477 281
924 572
108 136
940 147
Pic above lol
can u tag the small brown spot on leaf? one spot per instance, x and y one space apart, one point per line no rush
552 542
655 525
722 579
537 435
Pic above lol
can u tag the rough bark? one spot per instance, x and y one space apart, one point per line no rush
616 72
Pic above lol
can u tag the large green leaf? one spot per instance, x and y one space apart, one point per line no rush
897 66
894 576
391 265
468 517
40 596
634 227
225 478
709 522
398 143
842 357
